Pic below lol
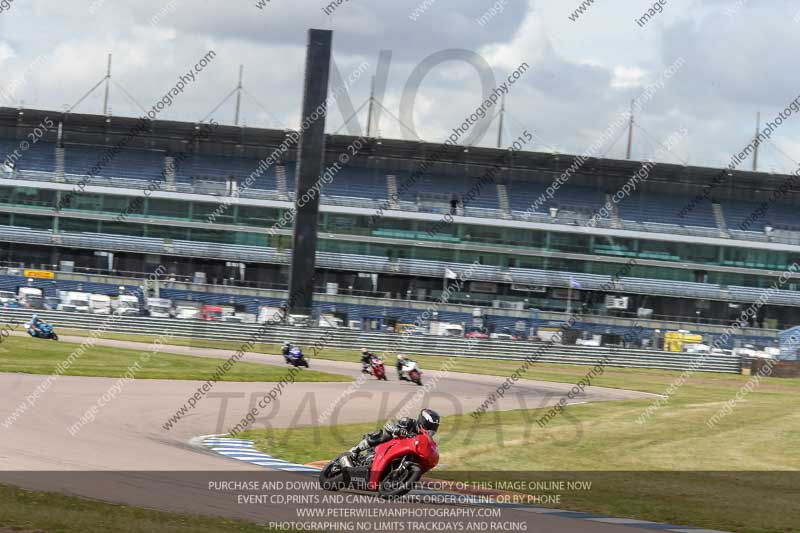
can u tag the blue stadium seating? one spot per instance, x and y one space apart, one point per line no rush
363 187
639 207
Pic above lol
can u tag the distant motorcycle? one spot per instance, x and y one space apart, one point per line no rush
45 331
296 358
411 369
377 369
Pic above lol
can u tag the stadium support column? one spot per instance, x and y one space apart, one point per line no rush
310 162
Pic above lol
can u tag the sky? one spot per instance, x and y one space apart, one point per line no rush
706 66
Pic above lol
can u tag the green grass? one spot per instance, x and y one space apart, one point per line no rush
55 513
37 356
649 381
672 468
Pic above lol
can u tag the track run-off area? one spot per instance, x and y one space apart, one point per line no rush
129 453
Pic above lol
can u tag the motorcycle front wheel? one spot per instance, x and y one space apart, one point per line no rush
332 476
399 482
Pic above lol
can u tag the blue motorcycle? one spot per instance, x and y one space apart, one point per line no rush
295 358
45 331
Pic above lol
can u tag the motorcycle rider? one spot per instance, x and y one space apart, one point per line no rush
287 347
366 359
428 420
33 325
401 362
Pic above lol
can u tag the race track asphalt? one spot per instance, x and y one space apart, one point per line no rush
126 455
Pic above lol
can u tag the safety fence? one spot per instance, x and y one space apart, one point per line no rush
387 343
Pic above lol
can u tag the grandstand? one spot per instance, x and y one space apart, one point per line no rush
697 265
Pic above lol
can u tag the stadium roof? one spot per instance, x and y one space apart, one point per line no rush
391 154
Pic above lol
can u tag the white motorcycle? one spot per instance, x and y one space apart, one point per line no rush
411 369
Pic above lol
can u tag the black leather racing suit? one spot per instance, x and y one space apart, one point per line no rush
366 359
405 427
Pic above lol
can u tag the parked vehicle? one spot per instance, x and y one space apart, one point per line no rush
476 333
52 302
8 299
77 300
159 307
211 312
100 304
505 334
126 305
391 469
410 329
298 320
187 310
271 314
247 318
30 297
697 348
328 320
676 341
446 329
594 340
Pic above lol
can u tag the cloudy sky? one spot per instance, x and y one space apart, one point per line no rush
736 57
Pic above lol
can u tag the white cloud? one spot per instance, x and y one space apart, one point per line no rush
627 77
582 74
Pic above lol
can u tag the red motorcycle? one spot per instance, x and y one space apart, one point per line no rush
377 369
391 469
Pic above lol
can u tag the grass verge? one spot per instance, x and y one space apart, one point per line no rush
22 510
647 381
37 356
739 475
